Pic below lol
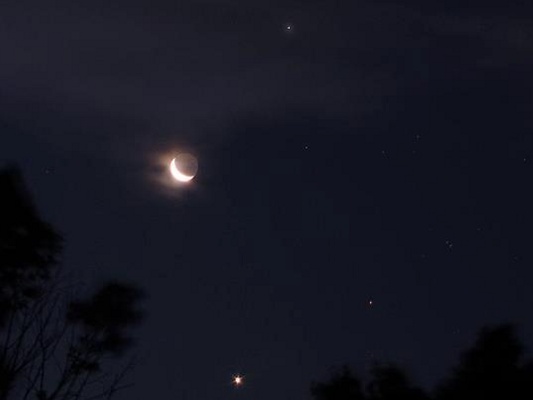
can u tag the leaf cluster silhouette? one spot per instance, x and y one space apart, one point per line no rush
29 247
55 345
493 368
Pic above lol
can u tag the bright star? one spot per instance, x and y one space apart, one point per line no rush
238 380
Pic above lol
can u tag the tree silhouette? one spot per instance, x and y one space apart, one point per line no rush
387 382
343 385
29 247
390 382
492 368
54 346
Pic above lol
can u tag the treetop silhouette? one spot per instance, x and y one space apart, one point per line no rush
493 368
53 345
29 247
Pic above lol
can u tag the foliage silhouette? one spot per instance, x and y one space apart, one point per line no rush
343 385
54 346
29 247
390 382
494 367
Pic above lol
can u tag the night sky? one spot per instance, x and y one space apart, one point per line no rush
365 182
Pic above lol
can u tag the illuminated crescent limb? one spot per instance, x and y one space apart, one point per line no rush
177 174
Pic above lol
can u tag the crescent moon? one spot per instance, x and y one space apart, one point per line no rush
179 176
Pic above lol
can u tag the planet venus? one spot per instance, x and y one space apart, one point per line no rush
238 380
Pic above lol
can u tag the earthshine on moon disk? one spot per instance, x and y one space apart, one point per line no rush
183 167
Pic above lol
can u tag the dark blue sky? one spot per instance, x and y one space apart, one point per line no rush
380 150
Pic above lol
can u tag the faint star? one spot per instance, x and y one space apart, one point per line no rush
288 27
